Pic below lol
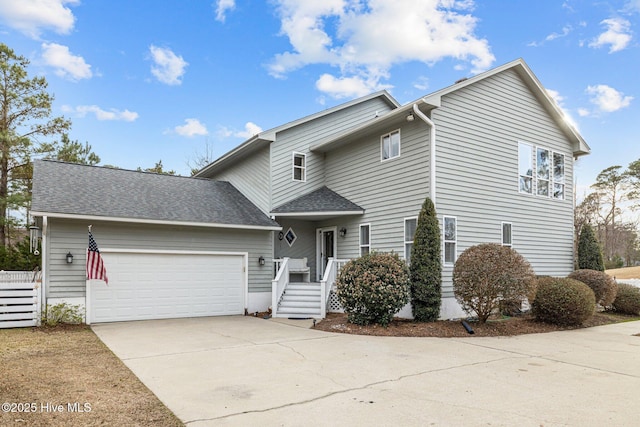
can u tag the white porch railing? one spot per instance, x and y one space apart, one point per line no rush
279 284
328 281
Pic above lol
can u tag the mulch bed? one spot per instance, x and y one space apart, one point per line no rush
504 326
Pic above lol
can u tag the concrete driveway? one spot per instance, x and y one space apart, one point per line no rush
249 371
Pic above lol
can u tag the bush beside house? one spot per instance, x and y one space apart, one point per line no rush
627 299
486 274
426 266
603 286
563 301
373 288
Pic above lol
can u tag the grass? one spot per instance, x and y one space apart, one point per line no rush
625 273
55 373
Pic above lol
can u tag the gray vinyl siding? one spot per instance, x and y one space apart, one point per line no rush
251 178
477 173
68 280
300 138
303 247
389 191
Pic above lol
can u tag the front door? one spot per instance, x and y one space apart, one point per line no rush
326 248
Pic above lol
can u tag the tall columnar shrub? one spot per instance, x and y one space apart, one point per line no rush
489 273
373 288
563 301
426 266
589 251
603 286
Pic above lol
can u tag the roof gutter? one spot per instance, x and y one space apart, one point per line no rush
432 151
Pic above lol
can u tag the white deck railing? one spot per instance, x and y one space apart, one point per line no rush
279 284
328 281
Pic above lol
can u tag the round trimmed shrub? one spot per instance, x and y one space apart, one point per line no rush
563 301
602 285
488 273
627 299
373 288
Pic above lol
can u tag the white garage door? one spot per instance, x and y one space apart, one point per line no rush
159 286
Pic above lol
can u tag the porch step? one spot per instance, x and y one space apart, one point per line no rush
300 300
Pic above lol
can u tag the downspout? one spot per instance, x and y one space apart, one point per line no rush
44 253
432 152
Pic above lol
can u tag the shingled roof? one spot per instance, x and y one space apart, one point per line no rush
322 200
66 189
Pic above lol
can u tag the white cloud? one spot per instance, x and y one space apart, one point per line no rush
617 36
100 114
250 129
364 39
633 6
348 87
566 30
222 7
422 83
559 100
607 99
192 127
67 65
167 67
31 17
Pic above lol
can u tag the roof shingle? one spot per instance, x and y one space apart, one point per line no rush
66 188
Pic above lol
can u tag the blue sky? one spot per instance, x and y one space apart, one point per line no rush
144 81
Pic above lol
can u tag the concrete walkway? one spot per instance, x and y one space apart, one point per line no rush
239 371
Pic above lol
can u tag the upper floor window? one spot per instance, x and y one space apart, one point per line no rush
299 167
450 239
410 225
390 145
525 167
541 171
506 234
365 239
558 176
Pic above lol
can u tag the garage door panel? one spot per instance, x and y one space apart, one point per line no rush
153 286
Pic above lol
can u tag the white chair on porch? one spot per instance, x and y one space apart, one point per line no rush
299 266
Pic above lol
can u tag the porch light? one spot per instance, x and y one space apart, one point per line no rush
69 257
343 232
261 260
410 117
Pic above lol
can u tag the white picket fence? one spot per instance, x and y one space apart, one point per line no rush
19 298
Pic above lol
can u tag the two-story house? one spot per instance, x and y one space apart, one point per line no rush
493 152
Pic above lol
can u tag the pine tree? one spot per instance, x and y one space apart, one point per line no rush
426 266
589 251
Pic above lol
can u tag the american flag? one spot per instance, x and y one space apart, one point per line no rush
95 266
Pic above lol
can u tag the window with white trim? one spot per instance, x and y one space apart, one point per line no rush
541 171
390 145
558 176
450 231
507 240
365 239
410 225
525 167
299 167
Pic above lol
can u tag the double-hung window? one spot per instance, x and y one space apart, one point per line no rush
542 171
507 240
558 176
450 239
410 225
365 239
390 145
299 167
